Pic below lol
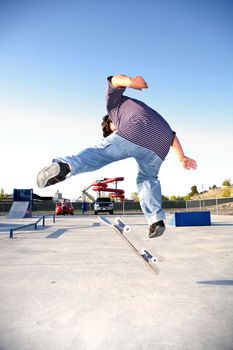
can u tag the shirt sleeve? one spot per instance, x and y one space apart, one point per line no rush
113 98
173 136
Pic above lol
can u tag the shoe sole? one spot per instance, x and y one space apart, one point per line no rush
157 232
46 174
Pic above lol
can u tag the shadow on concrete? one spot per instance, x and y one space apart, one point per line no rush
221 224
218 282
5 227
57 233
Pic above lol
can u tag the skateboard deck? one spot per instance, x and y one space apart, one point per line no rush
121 229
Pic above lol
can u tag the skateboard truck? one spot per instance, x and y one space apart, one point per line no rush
121 225
147 256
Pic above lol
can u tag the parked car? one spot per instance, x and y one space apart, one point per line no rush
64 208
103 205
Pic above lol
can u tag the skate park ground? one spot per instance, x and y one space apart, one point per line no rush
75 285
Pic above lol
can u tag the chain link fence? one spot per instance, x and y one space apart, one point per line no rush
218 206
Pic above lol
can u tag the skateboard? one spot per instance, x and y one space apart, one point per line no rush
122 229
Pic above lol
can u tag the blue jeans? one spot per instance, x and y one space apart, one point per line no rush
114 148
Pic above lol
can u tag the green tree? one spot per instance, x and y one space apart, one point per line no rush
186 198
2 194
194 191
135 197
226 182
165 198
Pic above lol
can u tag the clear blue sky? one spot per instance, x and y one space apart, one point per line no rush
56 55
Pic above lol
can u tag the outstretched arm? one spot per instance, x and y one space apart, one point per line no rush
186 162
120 80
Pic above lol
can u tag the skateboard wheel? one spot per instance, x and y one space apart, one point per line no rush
127 228
147 256
119 223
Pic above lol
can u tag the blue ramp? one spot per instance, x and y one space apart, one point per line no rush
193 218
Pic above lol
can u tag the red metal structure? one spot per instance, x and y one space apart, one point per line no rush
102 186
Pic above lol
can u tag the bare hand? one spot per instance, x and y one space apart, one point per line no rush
188 163
138 83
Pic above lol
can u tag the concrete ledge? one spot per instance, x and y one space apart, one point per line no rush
194 218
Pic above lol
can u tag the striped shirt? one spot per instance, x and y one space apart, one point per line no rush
137 122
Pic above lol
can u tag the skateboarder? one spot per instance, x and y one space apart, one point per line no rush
131 130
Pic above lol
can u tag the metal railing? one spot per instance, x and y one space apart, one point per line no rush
35 224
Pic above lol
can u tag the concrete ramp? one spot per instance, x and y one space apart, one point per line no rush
18 210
